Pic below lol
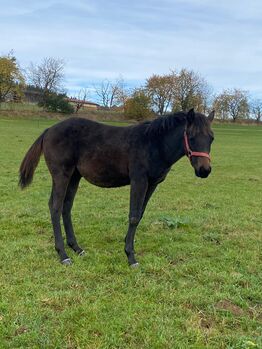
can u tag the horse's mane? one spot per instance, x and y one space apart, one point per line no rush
164 124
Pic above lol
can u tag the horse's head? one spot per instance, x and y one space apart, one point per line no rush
198 137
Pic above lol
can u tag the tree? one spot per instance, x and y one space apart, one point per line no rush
48 75
57 102
11 79
232 104
122 93
137 107
221 106
82 96
238 104
256 109
190 91
160 89
111 93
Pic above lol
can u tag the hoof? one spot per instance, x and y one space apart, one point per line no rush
66 261
81 253
135 265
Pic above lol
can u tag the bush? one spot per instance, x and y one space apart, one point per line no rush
57 103
138 106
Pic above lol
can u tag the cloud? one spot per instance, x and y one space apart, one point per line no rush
101 39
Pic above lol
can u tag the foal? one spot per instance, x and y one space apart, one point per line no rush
109 156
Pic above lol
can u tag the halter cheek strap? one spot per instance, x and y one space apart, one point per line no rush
190 153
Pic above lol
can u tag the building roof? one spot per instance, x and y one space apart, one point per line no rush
76 100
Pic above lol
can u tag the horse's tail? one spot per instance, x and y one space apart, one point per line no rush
30 161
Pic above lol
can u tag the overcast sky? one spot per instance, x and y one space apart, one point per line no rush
98 39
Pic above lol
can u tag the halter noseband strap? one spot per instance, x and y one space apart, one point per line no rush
190 153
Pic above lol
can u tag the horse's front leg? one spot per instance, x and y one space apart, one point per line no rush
137 196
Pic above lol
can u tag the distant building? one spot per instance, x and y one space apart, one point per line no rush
82 104
35 95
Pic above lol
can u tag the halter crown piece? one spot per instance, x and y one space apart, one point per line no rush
190 153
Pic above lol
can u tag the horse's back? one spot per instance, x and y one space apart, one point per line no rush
77 134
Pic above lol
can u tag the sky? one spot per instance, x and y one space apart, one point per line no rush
99 39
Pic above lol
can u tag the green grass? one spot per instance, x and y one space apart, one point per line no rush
199 246
20 107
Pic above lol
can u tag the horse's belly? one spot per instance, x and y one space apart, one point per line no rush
104 176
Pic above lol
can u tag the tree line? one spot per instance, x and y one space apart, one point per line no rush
44 80
160 94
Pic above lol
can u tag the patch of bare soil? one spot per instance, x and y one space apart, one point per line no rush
229 306
20 330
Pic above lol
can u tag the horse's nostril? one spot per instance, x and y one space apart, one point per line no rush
203 172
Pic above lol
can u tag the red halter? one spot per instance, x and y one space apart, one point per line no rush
190 153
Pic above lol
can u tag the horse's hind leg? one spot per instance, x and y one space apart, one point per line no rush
60 183
66 213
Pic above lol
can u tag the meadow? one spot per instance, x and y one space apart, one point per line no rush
199 283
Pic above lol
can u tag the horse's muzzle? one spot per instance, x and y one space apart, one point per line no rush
203 172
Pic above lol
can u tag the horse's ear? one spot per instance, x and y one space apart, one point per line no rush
211 116
191 116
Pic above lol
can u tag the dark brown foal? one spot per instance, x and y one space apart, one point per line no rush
109 156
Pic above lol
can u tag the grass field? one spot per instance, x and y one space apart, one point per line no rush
199 284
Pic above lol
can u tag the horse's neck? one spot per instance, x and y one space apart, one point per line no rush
173 145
